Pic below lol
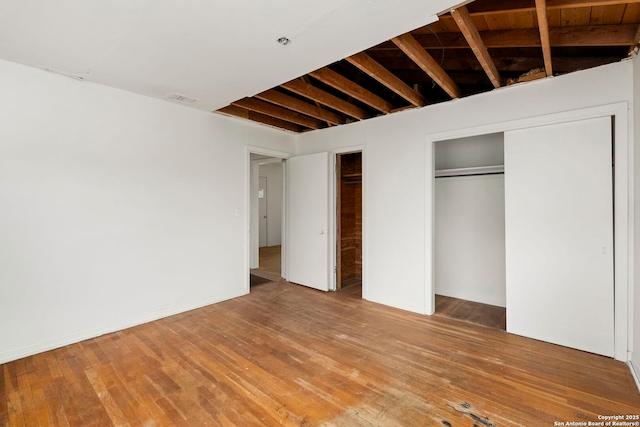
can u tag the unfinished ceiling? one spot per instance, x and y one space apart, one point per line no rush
474 48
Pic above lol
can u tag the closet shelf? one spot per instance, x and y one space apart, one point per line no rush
478 170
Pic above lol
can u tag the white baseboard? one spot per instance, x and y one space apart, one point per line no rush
483 299
31 349
635 372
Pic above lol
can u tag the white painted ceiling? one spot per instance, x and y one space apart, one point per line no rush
216 51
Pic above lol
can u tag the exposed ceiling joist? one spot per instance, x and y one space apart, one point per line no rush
600 35
309 91
543 24
470 32
365 63
341 83
306 79
513 63
278 112
500 6
243 113
471 50
421 57
300 106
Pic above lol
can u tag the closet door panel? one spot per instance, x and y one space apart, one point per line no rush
559 234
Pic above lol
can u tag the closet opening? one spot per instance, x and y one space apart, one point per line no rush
470 277
349 222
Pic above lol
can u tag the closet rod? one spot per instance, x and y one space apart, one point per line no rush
470 171
471 174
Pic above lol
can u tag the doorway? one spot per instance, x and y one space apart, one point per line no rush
349 222
267 218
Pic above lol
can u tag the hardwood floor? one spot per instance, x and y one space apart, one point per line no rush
483 314
269 263
289 355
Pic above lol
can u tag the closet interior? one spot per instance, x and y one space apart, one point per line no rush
469 248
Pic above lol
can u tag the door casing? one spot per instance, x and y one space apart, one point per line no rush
251 219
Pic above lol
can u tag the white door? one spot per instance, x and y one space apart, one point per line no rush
309 220
559 234
262 211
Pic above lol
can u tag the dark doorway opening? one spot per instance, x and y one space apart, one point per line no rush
349 220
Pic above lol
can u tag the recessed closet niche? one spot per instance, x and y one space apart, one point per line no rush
349 219
470 226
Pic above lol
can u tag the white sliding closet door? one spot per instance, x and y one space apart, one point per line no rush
309 220
559 234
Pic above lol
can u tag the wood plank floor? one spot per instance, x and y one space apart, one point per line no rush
269 263
483 314
289 355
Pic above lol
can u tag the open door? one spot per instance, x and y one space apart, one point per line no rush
559 234
308 251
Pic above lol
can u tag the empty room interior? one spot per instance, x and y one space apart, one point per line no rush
336 213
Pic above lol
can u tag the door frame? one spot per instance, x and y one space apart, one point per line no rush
333 226
279 156
623 205
266 208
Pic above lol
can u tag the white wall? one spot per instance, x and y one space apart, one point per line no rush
273 173
395 168
635 303
115 209
469 238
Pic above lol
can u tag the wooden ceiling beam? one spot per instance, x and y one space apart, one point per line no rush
597 35
470 32
243 113
306 79
421 57
543 26
376 71
516 64
462 78
309 91
341 83
567 4
493 7
299 106
278 112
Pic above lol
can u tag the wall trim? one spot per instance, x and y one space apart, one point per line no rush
40 347
635 373
623 203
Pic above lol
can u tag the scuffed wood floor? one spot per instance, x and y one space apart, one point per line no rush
269 260
483 314
288 355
